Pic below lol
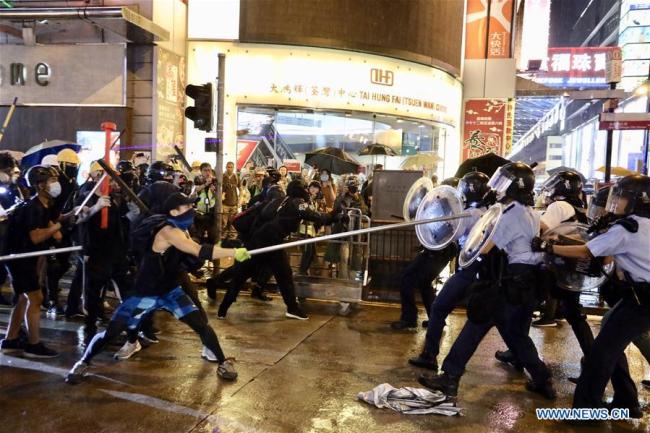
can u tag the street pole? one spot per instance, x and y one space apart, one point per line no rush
644 169
218 169
610 141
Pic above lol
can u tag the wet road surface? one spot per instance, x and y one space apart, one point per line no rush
293 377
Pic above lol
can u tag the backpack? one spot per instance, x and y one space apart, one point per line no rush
143 234
244 221
17 237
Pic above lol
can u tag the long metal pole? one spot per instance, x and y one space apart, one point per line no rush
610 143
39 253
218 170
89 196
8 117
355 233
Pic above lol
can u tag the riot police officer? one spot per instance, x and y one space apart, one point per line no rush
428 264
626 240
513 185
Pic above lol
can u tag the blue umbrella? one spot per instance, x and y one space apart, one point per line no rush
36 153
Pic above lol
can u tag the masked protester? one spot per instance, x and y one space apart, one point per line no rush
10 198
32 228
166 243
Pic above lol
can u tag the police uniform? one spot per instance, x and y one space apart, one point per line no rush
628 319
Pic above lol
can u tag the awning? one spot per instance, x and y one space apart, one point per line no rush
123 24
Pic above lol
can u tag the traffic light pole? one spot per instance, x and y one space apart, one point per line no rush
218 169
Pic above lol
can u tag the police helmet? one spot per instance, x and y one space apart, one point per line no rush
160 170
514 180
630 196
451 181
563 186
473 186
598 204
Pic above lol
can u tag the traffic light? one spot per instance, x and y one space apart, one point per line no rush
201 112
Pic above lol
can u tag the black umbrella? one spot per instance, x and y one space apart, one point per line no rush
555 170
377 149
487 164
336 161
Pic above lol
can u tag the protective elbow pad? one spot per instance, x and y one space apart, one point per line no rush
205 253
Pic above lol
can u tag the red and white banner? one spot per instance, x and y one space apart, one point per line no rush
484 127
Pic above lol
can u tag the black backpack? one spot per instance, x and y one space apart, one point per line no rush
17 237
143 234
244 221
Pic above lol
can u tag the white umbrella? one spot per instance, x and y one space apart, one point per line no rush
36 153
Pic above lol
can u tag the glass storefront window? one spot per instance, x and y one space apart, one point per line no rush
292 133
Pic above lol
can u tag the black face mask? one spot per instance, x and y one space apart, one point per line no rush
352 189
71 172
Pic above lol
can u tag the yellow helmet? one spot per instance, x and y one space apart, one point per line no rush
95 167
69 156
196 164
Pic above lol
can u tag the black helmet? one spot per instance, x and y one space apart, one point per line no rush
273 174
7 161
514 180
275 192
38 174
297 189
630 196
125 167
598 204
160 170
563 186
473 186
450 181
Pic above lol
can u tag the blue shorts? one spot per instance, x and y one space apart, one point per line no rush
135 308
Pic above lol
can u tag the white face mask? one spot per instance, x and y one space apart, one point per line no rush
324 178
54 189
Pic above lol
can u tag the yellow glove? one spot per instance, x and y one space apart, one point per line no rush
241 254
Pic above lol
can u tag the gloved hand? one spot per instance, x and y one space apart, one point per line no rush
241 254
102 202
134 211
539 245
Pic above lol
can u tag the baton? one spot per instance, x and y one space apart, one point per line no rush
271 248
40 253
185 162
92 192
8 117
108 170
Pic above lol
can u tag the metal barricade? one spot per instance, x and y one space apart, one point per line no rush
338 269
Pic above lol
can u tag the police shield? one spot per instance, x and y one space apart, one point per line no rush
414 197
441 201
575 274
480 235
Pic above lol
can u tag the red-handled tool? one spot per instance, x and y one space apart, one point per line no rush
108 128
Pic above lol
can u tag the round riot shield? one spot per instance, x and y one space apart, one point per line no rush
575 274
480 235
414 196
441 201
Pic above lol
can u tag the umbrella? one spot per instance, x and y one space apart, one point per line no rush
487 164
36 153
555 170
336 161
617 171
421 160
377 149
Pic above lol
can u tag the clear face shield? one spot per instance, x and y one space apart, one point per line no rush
500 182
619 202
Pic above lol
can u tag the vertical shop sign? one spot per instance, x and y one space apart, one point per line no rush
491 37
484 127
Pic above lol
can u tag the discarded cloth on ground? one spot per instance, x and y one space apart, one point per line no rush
409 401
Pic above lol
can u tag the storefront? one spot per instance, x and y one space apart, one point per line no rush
303 98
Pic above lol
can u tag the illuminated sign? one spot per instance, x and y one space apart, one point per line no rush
534 31
379 76
575 67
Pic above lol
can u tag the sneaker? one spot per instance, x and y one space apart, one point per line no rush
401 325
507 357
39 350
296 313
544 323
128 350
544 389
441 382
424 360
52 312
77 373
149 337
208 355
635 412
13 345
258 293
226 370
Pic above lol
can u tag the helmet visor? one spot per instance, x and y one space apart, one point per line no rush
619 201
594 211
500 182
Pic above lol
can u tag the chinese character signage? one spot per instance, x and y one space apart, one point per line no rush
484 127
575 67
496 32
169 116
